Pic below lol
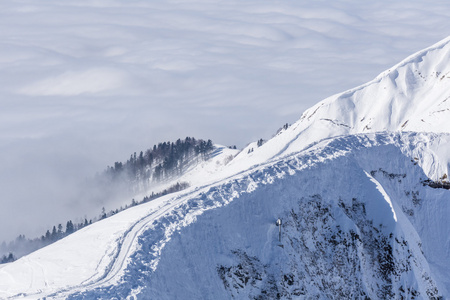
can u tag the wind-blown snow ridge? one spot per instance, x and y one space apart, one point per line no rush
188 208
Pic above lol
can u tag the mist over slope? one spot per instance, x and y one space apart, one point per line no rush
361 219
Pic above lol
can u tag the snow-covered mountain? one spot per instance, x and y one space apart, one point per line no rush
414 95
350 182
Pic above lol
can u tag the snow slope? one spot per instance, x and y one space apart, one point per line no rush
414 95
358 219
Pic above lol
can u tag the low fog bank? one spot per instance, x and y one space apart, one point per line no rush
87 83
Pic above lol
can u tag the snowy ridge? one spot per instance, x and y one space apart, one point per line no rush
142 245
411 96
253 188
414 95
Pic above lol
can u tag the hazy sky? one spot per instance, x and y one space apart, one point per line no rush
86 83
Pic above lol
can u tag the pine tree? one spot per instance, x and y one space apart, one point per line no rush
54 236
7 259
103 215
48 236
69 227
60 231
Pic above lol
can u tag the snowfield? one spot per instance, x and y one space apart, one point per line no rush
349 180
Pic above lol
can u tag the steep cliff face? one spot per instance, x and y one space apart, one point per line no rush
356 226
357 222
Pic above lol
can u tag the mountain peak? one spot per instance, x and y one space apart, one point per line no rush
413 95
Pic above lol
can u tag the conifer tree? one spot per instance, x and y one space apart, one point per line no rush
60 232
48 236
54 236
69 227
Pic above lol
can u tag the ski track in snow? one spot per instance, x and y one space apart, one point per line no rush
116 266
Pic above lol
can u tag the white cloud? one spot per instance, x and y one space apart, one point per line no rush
71 83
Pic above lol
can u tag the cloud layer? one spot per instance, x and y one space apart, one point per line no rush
86 83
90 81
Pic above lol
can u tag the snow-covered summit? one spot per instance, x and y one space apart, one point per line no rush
413 95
